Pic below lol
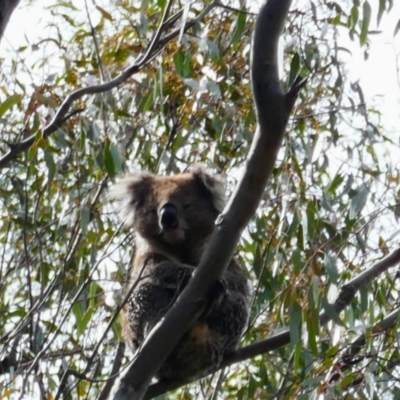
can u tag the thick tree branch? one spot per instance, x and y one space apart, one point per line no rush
273 111
7 7
349 357
114 372
283 338
156 45
346 295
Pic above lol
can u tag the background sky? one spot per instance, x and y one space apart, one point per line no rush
379 76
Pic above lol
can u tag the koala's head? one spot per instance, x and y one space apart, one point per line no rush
177 213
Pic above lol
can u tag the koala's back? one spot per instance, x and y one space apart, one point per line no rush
173 218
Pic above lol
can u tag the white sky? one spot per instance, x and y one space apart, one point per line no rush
379 76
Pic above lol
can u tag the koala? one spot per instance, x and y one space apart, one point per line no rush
173 218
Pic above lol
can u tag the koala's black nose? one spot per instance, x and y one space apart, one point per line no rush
169 216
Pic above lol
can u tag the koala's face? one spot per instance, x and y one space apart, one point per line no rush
175 211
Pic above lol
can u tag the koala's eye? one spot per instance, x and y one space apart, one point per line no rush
187 205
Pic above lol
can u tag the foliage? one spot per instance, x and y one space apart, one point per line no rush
329 212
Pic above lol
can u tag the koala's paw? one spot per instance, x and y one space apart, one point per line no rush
216 295
218 290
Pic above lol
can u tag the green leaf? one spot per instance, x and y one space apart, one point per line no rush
32 151
358 201
332 313
76 310
183 63
293 225
297 262
179 59
381 10
240 27
83 323
353 18
104 13
312 332
311 221
336 182
108 160
63 4
94 287
294 68
116 157
9 103
146 102
70 20
313 304
330 266
81 320
295 323
85 218
297 356
365 23
51 165
364 298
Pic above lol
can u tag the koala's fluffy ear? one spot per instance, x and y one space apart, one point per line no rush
130 192
213 185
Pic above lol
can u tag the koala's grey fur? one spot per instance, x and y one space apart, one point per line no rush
173 218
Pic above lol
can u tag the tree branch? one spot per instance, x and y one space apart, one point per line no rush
283 338
346 295
7 7
349 356
114 371
273 111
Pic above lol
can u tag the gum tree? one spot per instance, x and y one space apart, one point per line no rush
158 86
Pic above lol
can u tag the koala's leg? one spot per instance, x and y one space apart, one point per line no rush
228 317
216 333
197 353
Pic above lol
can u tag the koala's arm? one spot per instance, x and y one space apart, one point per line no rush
170 275
175 276
158 270
160 283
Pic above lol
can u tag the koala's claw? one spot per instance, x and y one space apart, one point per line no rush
217 292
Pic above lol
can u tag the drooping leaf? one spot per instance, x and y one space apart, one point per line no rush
358 201
365 23
240 27
9 103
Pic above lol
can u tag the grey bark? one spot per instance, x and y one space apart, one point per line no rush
6 9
